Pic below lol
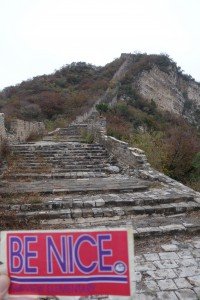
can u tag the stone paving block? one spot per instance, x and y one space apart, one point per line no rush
15 207
186 294
139 287
185 254
89 203
166 264
108 212
182 283
138 276
187 271
99 202
98 212
78 203
138 209
118 211
144 266
196 244
166 296
129 210
151 256
196 253
76 213
197 291
145 296
87 213
149 230
173 228
151 285
138 258
167 285
188 262
168 255
195 280
169 248
161 274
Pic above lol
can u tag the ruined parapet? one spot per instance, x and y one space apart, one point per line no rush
23 129
2 134
127 157
2 127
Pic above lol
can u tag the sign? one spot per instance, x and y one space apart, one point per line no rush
69 263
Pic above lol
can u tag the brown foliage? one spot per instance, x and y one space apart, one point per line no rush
182 144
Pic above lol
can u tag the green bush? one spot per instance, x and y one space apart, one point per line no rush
102 107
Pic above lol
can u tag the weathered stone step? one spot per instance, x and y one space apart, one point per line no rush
61 150
56 146
72 186
47 169
65 164
54 175
73 213
107 200
71 159
66 154
143 226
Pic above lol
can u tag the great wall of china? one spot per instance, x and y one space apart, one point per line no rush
70 183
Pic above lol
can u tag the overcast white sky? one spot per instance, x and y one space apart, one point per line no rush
39 36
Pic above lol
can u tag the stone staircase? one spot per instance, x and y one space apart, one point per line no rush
74 187
73 133
59 160
155 212
62 182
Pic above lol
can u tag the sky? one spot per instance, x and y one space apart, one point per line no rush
40 36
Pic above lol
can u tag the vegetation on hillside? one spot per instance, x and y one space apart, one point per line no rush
58 98
171 144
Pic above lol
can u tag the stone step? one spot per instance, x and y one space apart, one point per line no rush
143 226
64 163
54 175
147 198
64 158
59 145
61 152
73 213
69 147
55 168
51 186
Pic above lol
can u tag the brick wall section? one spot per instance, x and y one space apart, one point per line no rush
22 129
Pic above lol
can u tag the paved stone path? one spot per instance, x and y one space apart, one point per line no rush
172 273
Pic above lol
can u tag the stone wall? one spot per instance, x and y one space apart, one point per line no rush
2 127
127 157
2 134
23 129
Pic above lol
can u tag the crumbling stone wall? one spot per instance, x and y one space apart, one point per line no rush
127 157
2 132
2 127
23 129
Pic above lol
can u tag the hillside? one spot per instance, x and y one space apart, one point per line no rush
63 95
74 88
147 99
